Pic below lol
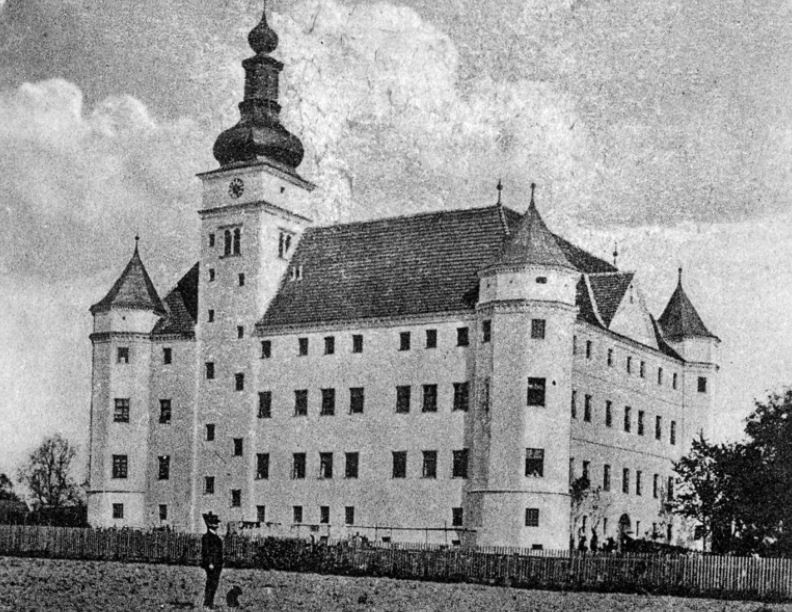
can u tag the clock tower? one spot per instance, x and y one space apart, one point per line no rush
255 207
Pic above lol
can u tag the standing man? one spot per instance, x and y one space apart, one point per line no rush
211 557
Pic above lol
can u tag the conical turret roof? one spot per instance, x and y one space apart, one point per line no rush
680 318
133 289
532 243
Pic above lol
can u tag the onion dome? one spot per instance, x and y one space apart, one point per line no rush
259 133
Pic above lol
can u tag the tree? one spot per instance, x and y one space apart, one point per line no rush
47 474
7 489
589 502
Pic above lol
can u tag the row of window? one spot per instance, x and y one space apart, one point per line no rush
232 241
212 276
628 412
626 480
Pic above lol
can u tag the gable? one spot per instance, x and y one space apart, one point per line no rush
632 319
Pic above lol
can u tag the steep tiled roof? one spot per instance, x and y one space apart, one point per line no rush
182 306
421 264
680 319
532 243
608 292
585 303
133 289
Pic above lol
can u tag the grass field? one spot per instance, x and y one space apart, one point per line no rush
45 584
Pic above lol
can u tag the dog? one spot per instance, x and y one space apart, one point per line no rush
232 597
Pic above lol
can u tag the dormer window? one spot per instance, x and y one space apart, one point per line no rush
295 273
284 244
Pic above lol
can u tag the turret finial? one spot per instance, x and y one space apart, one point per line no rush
533 188
137 241
262 38
680 274
500 190
615 253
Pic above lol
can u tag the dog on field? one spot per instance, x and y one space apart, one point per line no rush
232 597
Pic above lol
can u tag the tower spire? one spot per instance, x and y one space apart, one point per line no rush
259 133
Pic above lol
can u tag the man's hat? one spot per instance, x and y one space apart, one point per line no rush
211 519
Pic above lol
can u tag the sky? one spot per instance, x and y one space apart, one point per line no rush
665 127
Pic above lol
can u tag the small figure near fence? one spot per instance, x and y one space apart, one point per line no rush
211 557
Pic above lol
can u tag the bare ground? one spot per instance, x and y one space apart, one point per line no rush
87 586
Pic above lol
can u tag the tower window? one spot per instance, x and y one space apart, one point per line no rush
167 355
164 467
302 347
456 517
534 462
702 384
538 327
328 402
403 399
240 332
462 336
459 467
642 370
236 498
211 273
210 316
629 365
429 398
486 331
210 432
532 517
329 345
296 273
626 480
536 391
404 341
357 343
284 244
325 465
237 241
120 466
211 240
122 354
588 349
356 400
239 445
266 349
262 466
431 338
610 357
461 396
429 469
209 485
121 410
239 381
541 280
301 402
241 279
352 464
298 466
118 511
265 405
227 242
399 464
165 411
210 370
659 376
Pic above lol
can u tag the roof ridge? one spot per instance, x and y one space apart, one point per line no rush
401 217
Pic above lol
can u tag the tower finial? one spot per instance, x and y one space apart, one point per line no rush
615 253
533 188
262 38
679 270
500 190
137 241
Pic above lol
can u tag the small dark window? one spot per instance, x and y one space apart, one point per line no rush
672 433
574 345
298 466
349 515
301 402
459 467
538 328
658 427
238 447
356 400
702 384
357 343
674 380
462 336
587 409
284 244
120 466
638 484
211 240
351 467
163 472
532 517
534 462
610 357
404 341
261 514
484 395
210 432
670 487
297 514
536 391
328 402
324 514
640 422
240 332
163 512
262 466
121 410
239 381
167 355
588 349
642 369
266 349
265 405
122 354
629 365
626 480
241 279
118 511
237 241
541 280
627 419
659 376
329 345
586 466
573 404
227 242
165 411
456 517
431 338
302 346
461 396
403 399
210 316
429 398
606 477
608 413
486 330
399 464
656 486
236 498
209 485
429 464
325 465
211 275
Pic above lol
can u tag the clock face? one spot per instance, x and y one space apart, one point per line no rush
236 187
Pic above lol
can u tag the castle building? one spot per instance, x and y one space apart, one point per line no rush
440 377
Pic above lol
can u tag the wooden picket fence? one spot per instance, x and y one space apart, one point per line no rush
691 575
